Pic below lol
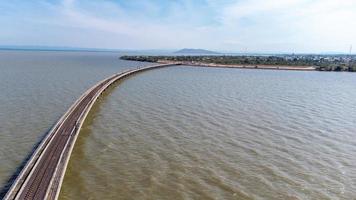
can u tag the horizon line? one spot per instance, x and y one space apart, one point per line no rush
95 49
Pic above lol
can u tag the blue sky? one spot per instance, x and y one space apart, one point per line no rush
225 25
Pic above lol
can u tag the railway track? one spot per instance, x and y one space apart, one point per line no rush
42 176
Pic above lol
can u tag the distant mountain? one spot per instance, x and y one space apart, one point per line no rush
195 51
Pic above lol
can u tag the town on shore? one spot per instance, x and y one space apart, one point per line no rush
282 62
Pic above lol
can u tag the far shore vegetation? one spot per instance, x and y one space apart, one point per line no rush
319 62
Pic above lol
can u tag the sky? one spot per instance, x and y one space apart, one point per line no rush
272 26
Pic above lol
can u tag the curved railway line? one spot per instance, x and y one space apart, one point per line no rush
42 176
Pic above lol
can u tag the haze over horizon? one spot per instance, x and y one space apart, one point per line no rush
295 26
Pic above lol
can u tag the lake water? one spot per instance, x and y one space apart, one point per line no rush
185 132
36 90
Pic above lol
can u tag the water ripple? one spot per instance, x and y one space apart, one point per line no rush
203 133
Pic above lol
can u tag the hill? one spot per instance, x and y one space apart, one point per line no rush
195 51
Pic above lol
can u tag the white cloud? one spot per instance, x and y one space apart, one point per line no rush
318 25
148 33
255 25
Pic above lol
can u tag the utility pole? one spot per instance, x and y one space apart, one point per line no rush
350 57
350 51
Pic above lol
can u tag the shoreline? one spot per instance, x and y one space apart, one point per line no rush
297 63
265 67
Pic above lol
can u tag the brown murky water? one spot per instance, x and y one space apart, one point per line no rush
36 88
184 132
202 133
